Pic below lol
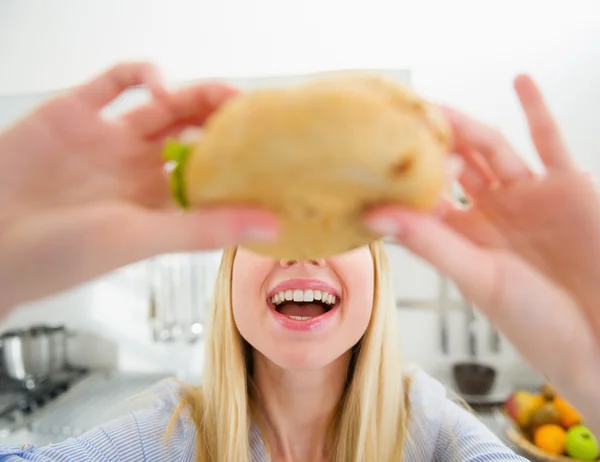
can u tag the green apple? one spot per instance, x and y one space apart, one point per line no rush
581 443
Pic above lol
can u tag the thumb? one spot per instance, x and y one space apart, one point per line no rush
468 265
205 229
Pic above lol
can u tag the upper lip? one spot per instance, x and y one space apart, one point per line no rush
304 284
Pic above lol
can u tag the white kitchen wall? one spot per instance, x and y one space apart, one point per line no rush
464 53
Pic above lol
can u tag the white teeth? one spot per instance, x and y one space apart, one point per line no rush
298 296
300 318
308 295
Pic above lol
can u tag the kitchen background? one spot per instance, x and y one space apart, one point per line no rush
463 53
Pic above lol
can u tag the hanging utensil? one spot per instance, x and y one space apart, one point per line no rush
153 315
471 326
175 299
162 296
443 313
195 327
495 340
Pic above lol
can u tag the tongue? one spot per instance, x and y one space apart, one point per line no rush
302 309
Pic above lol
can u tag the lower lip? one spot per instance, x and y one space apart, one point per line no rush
308 325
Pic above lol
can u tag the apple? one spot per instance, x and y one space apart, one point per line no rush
581 443
521 406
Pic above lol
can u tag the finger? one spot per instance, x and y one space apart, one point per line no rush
174 131
186 132
488 280
472 182
470 135
476 176
454 168
186 107
107 86
542 126
473 225
92 240
455 255
591 177
174 231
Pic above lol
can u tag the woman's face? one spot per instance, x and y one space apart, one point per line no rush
303 314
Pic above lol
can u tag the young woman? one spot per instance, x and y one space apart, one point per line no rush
330 388
303 364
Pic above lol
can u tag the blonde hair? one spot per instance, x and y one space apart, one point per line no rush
371 418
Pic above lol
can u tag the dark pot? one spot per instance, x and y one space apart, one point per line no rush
474 378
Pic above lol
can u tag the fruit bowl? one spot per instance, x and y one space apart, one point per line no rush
518 438
548 428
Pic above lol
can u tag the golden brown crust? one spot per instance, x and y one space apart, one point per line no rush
319 155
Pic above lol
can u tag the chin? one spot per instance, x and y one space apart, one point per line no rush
306 356
303 360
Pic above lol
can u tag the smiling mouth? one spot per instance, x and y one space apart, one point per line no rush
303 305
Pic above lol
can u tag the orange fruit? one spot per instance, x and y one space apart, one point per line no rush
550 438
568 414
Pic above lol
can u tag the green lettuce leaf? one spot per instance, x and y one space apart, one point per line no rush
177 153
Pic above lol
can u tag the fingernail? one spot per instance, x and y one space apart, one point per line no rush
159 74
156 78
260 234
190 135
217 94
384 226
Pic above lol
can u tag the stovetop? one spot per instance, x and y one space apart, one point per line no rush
20 400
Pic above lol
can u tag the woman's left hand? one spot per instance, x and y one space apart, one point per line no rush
82 194
526 252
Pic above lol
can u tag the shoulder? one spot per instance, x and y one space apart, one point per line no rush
166 426
427 403
162 410
441 429
427 395
137 436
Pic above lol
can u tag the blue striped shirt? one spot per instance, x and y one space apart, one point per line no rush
439 430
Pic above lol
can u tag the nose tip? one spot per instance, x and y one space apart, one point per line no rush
289 263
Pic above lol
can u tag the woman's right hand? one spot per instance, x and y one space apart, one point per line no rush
526 252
